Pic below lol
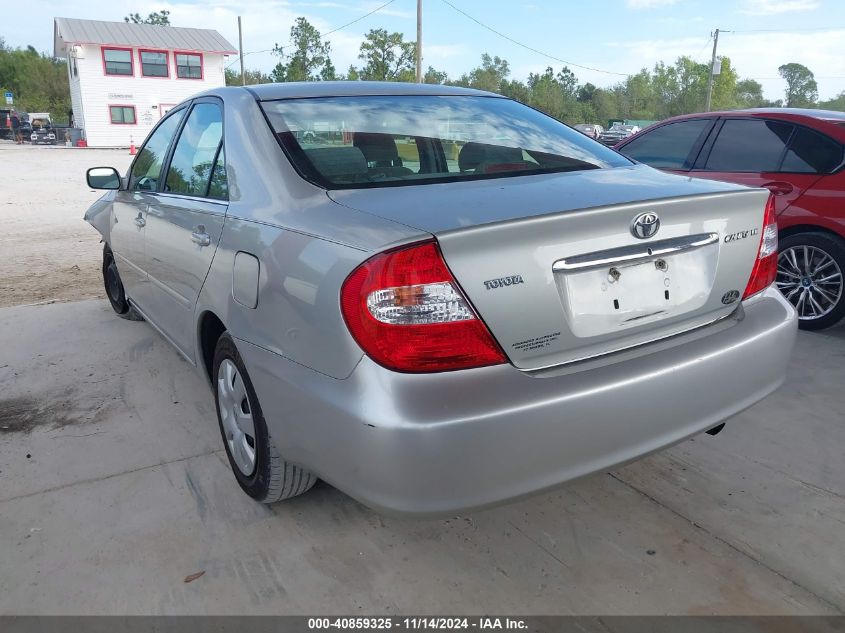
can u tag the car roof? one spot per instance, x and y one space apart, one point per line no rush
830 122
292 90
786 113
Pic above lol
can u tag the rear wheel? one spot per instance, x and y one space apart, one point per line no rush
259 468
810 276
114 289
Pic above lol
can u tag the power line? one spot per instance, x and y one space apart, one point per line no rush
340 28
366 15
533 50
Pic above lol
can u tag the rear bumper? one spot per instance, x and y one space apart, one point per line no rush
436 443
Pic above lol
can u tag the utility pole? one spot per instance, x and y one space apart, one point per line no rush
712 66
241 48
419 42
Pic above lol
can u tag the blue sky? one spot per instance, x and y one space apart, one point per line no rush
619 36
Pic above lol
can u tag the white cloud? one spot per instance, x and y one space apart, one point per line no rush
648 4
775 7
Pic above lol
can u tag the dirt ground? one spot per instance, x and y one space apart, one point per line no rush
48 253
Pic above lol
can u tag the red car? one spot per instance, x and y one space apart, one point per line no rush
797 154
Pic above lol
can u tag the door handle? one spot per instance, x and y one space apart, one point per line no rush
779 188
199 236
140 222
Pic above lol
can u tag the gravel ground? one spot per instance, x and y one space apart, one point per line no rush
49 253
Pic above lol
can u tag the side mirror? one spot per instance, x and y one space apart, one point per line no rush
103 178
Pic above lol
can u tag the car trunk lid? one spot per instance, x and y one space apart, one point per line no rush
554 268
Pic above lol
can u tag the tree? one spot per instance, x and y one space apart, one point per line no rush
837 103
749 94
490 76
159 18
38 81
801 88
387 57
434 76
555 94
586 93
251 77
308 59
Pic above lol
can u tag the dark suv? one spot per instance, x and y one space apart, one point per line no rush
799 155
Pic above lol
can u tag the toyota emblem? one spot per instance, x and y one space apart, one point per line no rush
645 225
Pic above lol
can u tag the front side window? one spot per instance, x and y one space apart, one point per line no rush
669 146
749 145
193 161
146 170
812 153
122 115
154 64
117 61
374 141
188 66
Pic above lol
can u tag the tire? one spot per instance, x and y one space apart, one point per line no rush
271 478
811 275
114 289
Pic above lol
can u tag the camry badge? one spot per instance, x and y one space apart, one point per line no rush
645 225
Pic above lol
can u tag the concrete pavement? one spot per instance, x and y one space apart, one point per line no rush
114 488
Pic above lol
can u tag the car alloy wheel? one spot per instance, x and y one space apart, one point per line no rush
810 279
236 416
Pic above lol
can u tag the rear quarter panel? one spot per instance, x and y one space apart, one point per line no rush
298 311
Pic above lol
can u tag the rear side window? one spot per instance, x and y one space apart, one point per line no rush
812 153
377 141
196 151
146 169
219 186
752 145
669 146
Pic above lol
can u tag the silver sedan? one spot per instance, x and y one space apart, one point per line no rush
436 298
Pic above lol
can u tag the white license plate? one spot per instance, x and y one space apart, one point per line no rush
603 300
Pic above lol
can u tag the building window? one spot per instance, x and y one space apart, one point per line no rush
189 66
154 64
118 61
122 115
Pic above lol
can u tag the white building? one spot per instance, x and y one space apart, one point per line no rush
125 77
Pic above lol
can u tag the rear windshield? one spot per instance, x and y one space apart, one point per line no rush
377 141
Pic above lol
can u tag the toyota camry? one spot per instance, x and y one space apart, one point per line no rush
442 300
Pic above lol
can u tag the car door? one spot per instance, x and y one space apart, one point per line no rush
752 151
129 209
184 222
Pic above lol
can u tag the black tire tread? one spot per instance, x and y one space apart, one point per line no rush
124 308
286 479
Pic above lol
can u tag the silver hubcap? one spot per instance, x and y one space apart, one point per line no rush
236 414
811 280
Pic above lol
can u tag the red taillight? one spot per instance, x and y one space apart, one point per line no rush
766 265
407 313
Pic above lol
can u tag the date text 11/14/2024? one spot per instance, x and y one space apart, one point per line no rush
418 623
